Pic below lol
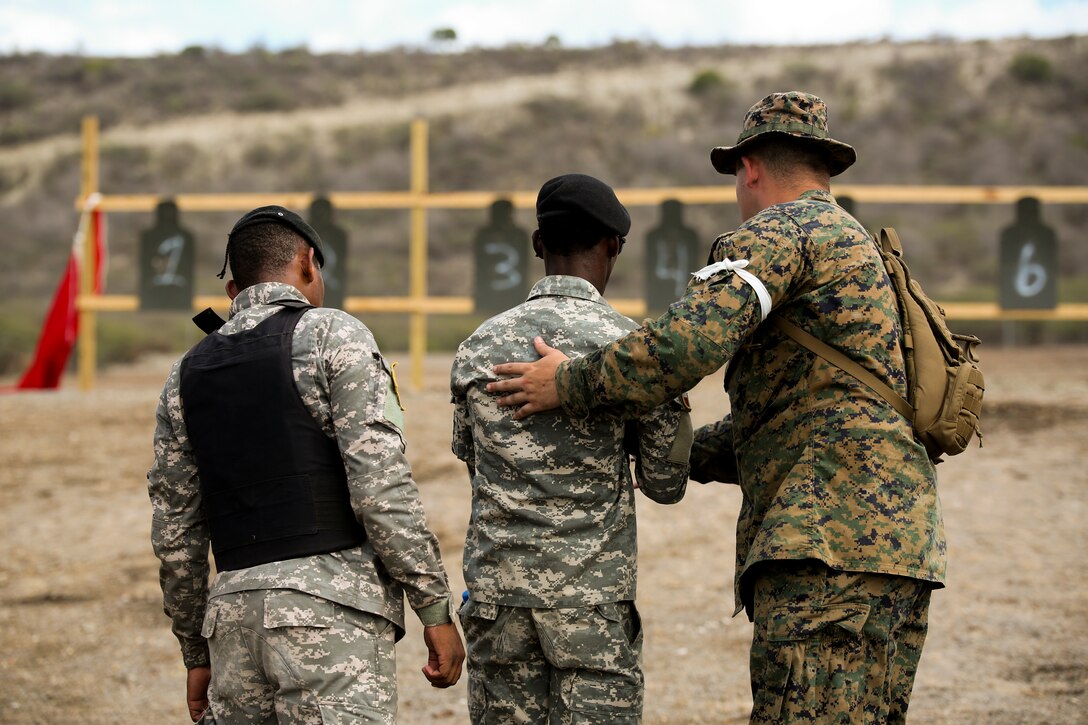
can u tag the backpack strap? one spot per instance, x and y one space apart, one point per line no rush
839 360
889 241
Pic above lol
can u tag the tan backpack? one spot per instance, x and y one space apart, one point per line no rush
944 382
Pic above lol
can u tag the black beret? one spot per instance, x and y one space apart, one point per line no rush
286 218
578 197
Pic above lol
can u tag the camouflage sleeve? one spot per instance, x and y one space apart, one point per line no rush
712 455
664 442
368 421
663 358
696 336
179 532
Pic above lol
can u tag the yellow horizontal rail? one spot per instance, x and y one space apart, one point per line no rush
418 199
961 194
630 307
992 311
724 194
427 305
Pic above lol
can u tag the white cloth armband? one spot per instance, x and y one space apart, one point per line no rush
753 281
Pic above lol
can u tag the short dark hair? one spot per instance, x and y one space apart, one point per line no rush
259 251
786 156
570 236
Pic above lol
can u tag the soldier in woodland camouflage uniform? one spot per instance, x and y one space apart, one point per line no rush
550 558
840 537
279 442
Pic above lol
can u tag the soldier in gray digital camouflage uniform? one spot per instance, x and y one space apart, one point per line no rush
279 443
840 538
550 557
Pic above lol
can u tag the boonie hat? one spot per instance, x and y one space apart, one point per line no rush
793 113
580 198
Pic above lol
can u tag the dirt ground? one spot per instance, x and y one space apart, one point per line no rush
83 638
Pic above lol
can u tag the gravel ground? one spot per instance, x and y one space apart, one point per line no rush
83 638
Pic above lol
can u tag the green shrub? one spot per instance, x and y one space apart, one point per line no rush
15 95
16 132
124 338
801 74
98 70
705 82
1031 68
18 336
444 332
266 99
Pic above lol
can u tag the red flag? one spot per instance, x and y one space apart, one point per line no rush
62 323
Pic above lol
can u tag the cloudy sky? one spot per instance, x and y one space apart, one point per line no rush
126 27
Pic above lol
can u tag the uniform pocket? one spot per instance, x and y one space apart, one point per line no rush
612 700
479 610
346 713
789 623
624 614
483 640
813 658
207 627
485 630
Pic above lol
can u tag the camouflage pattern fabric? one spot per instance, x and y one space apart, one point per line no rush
800 115
345 383
829 471
835 647
552 521
558 666
712 456
282 655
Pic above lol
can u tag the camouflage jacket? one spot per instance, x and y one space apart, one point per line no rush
829 471
553 511
344 382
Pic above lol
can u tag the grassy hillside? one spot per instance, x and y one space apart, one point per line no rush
636 115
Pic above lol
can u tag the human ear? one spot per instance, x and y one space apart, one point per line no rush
308 265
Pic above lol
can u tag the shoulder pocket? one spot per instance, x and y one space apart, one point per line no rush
393 409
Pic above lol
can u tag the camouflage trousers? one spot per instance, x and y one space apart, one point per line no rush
834 647
557 666
280 655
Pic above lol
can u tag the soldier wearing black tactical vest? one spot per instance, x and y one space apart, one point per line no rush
279 443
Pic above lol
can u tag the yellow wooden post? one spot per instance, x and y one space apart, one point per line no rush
88 350
417 251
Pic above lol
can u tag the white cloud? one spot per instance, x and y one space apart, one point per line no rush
803 22
27 29
111 27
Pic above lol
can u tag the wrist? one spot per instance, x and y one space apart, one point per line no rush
565 391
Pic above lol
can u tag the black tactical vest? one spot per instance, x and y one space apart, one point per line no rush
273 483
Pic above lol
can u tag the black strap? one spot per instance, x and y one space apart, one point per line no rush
209 321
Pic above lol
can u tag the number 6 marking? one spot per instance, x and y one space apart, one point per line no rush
1030 276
